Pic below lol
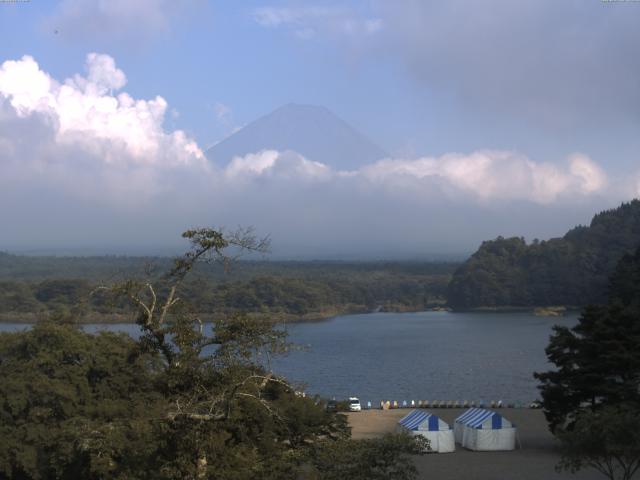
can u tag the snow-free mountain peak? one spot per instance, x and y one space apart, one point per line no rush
313 131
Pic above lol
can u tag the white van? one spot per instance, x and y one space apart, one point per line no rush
354 404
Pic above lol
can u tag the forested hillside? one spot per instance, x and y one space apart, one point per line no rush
35 287
572 270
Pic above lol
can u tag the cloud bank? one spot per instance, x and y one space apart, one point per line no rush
86 162
554 64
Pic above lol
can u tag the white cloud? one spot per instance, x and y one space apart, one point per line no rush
102 74
282 165
494 175
252 164
485 176
27 87
83 157
89 115
84 123
593 179
307 22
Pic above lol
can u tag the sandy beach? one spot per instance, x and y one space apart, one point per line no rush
535 460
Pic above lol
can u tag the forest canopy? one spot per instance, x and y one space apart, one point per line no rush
571 271
178 402
36 287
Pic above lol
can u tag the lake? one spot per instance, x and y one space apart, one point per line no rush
404 356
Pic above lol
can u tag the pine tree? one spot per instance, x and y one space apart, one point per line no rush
598 360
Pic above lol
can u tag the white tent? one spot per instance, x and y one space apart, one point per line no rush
438 432
482 429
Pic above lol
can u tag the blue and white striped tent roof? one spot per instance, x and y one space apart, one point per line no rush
424 421
483 418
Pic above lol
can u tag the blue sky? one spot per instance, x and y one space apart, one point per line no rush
542 79
218 54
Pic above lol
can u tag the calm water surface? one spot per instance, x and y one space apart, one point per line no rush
426 355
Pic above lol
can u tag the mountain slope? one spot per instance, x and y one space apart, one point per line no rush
314 132
572 270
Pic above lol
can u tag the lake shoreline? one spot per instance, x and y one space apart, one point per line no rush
275 317
542 311
28 318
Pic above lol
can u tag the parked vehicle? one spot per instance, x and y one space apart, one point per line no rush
332 406
354 404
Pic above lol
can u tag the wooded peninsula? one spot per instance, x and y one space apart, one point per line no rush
36 287
503 273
